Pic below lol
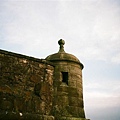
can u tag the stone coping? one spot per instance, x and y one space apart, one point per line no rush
24 57
71 118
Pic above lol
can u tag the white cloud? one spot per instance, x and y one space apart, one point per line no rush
91 27
116 59
103 86
102 100
94 26
30 29
102 93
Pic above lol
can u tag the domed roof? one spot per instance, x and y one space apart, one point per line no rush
62 55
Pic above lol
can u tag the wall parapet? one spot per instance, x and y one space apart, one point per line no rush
25 57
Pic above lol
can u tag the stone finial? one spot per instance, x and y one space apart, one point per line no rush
61 42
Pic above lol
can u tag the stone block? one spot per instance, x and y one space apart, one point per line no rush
76 111
80 102
19 104
72 83
79 84
73 101
35 78
72 92
63 88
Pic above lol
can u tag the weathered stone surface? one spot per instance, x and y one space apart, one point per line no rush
41 89
24 116
26 85
70 118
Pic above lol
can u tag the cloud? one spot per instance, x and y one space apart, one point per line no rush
101 96
104 88
116 59
102 100
29 29
91 27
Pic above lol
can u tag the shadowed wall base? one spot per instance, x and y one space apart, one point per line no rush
28 116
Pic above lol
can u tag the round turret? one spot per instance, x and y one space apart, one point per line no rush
67 84
63 56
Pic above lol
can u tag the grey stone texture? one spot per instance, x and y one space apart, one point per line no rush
41 89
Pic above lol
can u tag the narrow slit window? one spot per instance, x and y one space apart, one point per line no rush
65 77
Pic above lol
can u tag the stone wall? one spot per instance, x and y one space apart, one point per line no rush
26 87
34 89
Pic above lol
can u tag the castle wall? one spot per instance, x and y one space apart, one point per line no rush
35 89
26 87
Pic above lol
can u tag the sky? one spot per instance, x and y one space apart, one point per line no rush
91 30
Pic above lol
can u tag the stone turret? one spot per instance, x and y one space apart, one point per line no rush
68 89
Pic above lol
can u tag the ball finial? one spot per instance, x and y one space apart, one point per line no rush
61 42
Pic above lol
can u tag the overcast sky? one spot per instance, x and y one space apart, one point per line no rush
91 30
